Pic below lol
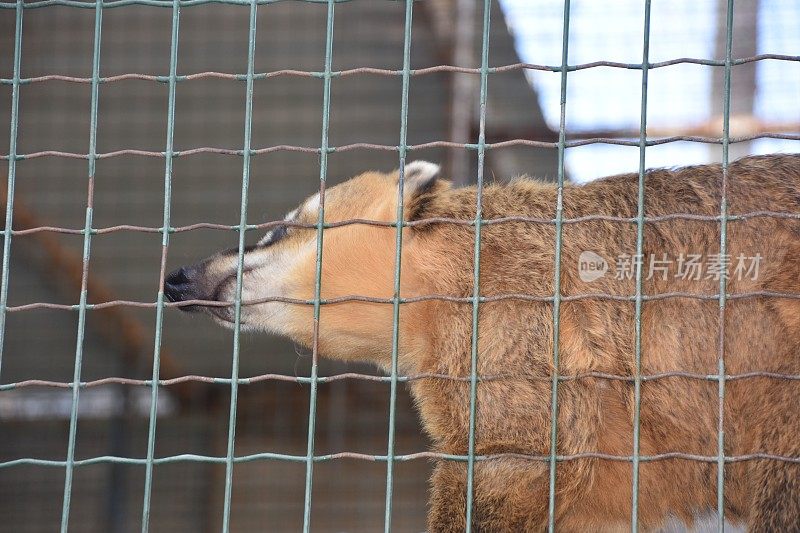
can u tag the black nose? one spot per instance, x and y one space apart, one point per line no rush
180 286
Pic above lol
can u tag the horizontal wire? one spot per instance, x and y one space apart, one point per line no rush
413 223
267 456
387 379
155 3
414 299
393 72
412 147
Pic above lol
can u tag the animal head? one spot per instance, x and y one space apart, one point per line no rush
358 259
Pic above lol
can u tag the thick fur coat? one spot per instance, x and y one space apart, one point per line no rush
680 333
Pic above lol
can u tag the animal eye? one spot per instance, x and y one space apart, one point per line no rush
275 235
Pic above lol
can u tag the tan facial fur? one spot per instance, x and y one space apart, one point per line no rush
358 260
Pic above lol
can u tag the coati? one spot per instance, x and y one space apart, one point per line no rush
680 334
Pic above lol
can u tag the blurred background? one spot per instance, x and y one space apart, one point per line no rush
348 495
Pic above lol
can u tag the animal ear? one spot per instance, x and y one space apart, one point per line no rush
421 184
419 177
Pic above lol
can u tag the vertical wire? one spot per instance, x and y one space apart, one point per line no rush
323 173
237 303
723 280
637 376
12 173
87 239
476 289
168 153
551 506
387 523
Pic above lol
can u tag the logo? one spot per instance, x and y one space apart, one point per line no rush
591 266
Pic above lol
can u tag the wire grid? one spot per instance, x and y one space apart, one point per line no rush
310 458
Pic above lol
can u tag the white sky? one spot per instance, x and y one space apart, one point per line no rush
610 98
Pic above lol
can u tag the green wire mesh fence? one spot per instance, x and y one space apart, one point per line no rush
169 154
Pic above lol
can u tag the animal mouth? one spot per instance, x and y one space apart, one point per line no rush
225 292
186 284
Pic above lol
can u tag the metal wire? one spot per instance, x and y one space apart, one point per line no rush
237 308
637 383
415 299
390 72
400 379
476 266
12 173
87 239
551 497
163 3
413 223
411 147
323 173
151 432
270 456
723 250
387 522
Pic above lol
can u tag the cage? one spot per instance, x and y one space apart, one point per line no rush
201 122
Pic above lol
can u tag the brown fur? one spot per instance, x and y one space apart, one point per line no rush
678 414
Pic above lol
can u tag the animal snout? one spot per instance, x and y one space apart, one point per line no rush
181 285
